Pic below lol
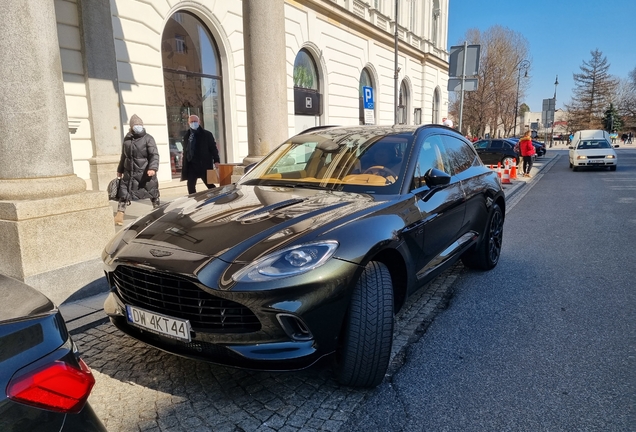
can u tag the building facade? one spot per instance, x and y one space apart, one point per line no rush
172 58
255 71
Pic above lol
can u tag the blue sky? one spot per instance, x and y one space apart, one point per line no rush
560 34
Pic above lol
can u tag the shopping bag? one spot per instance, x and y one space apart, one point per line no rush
213 176
113 189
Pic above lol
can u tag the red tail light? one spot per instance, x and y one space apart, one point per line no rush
57 387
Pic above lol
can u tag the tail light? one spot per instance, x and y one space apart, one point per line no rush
57 387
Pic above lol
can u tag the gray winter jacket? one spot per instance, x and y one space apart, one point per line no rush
138 155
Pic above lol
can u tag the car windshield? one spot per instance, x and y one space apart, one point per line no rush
354 162
593 144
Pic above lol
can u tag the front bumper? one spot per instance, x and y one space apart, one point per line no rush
594 162
317 303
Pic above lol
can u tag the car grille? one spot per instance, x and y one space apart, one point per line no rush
181 298
596 157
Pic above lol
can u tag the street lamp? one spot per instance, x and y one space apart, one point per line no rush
556 83
525 64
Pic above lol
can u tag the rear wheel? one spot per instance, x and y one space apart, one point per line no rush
365 350
485 255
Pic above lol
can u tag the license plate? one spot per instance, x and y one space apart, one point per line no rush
597 161
158 323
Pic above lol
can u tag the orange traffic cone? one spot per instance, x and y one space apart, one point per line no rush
505 177
513 172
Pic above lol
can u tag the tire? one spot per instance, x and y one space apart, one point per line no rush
575 168
485 255
571 165
612 168
367 337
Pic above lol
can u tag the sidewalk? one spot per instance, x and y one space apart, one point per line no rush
89 312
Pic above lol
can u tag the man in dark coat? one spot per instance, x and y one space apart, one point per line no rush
199 154
137 168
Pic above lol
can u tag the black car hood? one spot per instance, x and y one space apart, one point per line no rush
235 224
19 300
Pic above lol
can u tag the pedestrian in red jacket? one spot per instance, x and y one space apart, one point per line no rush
527 152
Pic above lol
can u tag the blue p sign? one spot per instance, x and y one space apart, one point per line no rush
367 97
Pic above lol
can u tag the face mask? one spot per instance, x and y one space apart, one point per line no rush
194 125
138 129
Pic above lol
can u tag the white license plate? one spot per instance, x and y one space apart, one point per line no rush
597 161
158 323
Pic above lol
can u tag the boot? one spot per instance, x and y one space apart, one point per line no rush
156 203
119 218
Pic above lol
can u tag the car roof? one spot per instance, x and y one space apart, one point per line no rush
339 132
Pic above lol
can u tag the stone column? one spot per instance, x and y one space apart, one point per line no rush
265 76
102 88
51 230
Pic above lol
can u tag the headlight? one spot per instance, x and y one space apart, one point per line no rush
287 262
581 157
610 156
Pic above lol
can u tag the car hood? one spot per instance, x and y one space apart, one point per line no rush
19 300
234 223
595 152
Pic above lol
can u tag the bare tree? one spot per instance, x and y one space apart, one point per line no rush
626 102
594 90
492 105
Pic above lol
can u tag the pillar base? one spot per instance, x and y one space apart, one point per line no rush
103 170
55 243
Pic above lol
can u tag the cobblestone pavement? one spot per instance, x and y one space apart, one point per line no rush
143 389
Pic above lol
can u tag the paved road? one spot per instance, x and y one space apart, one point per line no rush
142 389
546 341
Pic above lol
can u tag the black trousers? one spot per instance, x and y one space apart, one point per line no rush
192 182
527 164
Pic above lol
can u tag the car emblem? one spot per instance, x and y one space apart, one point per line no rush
159 253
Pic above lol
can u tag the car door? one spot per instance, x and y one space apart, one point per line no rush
482 148
496 150
441 207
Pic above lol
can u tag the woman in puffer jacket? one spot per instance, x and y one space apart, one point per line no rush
527 152
137 168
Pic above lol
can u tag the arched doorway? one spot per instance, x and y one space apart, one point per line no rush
366 117
192 79
436 106
403 104
307 98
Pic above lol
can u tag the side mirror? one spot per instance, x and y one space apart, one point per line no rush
616 146
435 177
571 148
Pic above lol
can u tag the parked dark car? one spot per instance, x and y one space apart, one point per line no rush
539 147
44 381
492 151
311 253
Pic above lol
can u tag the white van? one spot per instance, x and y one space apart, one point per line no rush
592 148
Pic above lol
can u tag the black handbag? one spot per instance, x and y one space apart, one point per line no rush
113 189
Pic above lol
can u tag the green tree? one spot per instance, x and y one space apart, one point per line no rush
594 90
611 119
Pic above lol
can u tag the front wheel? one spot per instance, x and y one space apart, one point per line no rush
613 168
485 255
367 337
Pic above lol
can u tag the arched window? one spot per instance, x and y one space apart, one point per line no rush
365 81
307 100
403 104
192 82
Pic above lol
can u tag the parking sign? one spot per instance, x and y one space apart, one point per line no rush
367 97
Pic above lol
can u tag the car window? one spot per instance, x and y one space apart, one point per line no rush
429 156
481 144
459 154
593 144
352 162
496 144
